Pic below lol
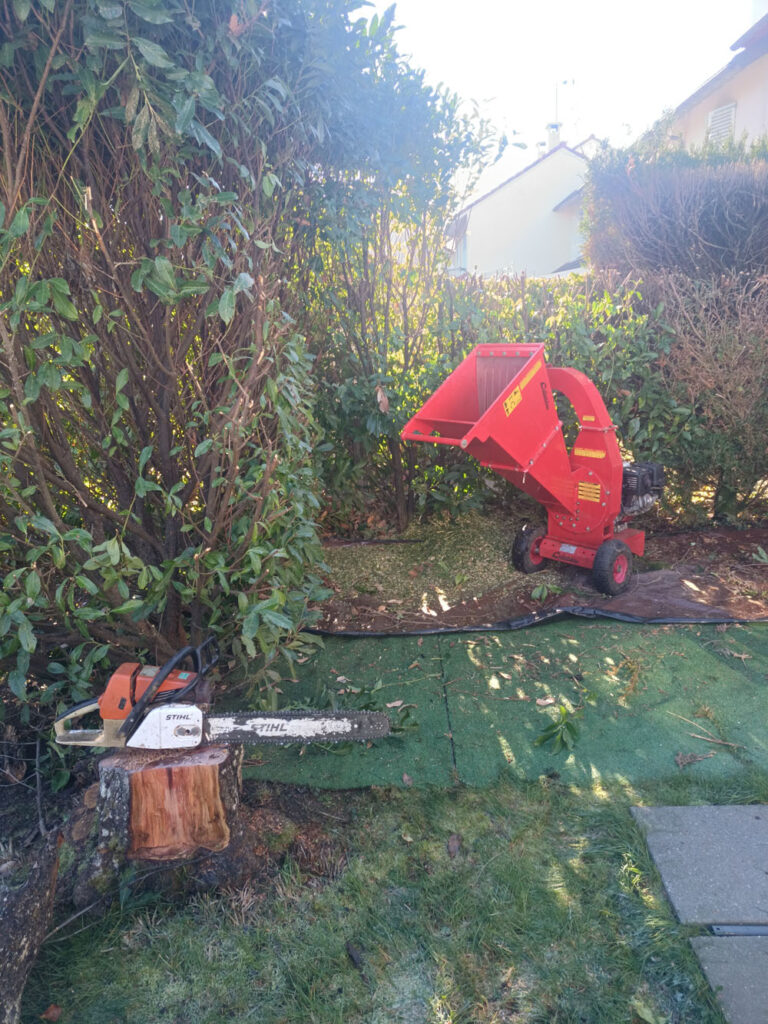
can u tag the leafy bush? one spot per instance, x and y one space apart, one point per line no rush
698 214
164 170
679 365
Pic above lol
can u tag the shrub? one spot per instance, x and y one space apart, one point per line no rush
702 215
162 171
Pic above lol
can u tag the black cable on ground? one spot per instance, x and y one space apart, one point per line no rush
536 619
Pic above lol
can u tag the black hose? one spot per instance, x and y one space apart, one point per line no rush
537 619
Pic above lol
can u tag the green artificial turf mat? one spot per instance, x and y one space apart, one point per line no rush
629 689
635 693
406 670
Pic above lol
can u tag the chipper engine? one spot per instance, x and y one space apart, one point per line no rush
498 406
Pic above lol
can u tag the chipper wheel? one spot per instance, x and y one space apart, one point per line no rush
525 550
612 571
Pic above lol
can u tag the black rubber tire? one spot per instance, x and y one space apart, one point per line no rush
522 557
612 570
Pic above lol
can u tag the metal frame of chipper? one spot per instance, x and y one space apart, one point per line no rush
498 406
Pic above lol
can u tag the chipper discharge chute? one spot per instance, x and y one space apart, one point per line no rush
498 406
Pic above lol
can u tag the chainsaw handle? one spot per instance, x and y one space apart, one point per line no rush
207 655
78 737
137 712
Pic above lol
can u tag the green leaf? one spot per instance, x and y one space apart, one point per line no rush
41 523
32 585
243 283
203 447
27 637
185 114
63 306
138 138
277 619
21 9
131 606
152 53
144 457
98 38
144 486
112 548
227 305
268 184
59 779
132 104
19 224
17 683
165 274
109 10
122 379
154 15
203 136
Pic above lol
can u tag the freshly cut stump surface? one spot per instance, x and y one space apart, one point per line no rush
161 806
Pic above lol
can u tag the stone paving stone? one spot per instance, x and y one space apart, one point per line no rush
737 969
713 861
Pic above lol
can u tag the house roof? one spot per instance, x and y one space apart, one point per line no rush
570 265
758 31
562 146
753 45
569 200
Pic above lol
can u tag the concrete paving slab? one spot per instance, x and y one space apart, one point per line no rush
713 861
737 969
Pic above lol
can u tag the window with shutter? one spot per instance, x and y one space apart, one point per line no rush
720 124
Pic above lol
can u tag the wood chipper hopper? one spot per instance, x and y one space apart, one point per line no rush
498 406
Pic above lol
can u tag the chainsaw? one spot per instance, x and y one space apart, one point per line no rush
166 708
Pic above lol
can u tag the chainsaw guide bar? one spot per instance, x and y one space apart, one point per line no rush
297 727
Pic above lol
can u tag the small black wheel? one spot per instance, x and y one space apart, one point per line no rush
612 571
525 551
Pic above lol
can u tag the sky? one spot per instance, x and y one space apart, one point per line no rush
608 68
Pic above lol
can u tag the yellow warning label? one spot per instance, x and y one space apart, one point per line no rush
530 375
588 419
589 492
589 453
512 401
514 398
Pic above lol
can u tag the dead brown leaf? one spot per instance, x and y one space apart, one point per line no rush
382 399
53 1012
454 844
681 760
545 702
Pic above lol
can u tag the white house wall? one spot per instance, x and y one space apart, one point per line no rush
748 89
516 229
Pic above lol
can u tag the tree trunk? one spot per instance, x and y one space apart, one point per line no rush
25 913
398 479
161 806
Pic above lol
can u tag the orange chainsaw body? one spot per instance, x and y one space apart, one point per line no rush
128 682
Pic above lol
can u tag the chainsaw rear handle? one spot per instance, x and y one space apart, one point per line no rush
203 658
104 737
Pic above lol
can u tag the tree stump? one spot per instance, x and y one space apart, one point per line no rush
162 806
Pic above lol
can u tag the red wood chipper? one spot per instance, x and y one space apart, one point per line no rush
498 406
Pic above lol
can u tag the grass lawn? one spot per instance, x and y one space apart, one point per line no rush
481 878
520 902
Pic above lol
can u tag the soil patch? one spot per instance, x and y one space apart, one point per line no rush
682 575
